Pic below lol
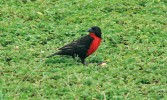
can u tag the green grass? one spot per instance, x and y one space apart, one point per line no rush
134 48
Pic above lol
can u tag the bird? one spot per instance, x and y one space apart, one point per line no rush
84 46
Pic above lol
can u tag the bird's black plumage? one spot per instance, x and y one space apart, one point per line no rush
79 47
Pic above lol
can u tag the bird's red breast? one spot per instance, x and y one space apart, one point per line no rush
94 45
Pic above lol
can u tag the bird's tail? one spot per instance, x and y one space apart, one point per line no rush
57 53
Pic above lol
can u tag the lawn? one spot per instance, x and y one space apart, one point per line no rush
134 49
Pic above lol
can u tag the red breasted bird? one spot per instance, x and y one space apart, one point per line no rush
84 46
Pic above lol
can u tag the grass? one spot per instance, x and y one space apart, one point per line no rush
134 48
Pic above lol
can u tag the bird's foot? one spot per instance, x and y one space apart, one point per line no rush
85 64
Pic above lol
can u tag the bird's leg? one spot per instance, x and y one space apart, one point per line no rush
73 56
83 61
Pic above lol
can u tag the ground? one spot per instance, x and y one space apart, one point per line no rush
134 49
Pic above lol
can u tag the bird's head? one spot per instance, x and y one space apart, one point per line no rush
96 30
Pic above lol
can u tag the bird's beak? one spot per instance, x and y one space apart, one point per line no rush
90 30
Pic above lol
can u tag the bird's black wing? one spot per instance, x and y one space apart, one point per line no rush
78 47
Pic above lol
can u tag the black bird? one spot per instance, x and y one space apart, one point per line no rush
84 46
